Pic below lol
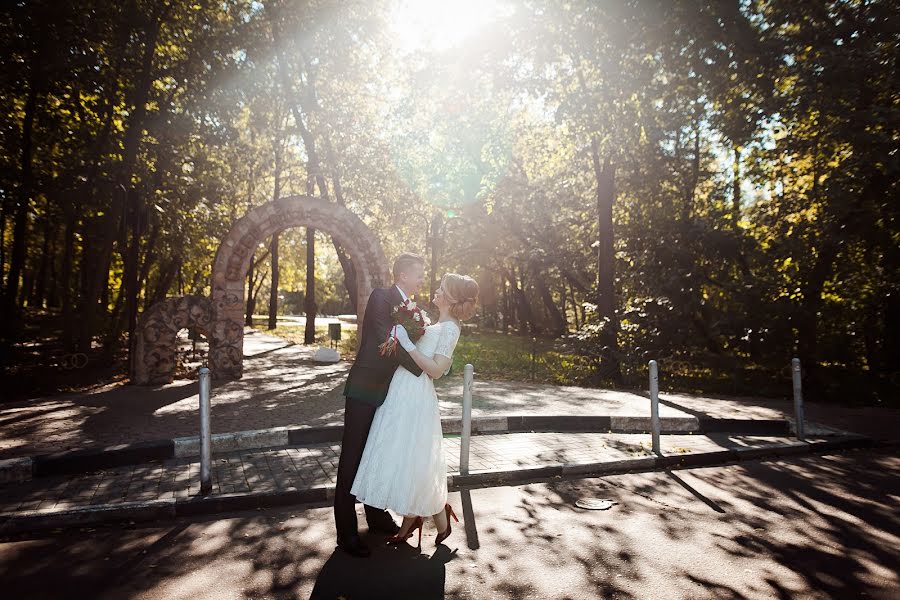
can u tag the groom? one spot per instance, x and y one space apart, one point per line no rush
367 385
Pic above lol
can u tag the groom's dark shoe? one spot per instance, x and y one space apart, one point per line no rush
354 546
383 524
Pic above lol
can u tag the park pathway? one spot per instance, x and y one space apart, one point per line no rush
282 386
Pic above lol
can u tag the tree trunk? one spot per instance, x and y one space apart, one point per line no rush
273 288
45 268
27 286
252 287
574 308
98 238
606 265
131 275
166 279
564 305
349 270
77 329
808 326
51 284
309 305
150 254
251 301
524 315
98 267
736 185
65 280
273 248
890 345
557 322
120 320
255 291
4 209
103 303
504 305
437 224
690 190
314 176
25 195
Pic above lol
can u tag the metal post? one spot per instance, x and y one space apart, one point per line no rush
654 406
205 458
798 398
468 378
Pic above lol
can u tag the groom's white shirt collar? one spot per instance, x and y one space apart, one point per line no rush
402 293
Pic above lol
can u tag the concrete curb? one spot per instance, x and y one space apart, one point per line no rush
38 520
656 463
200 505
32 521
92 459
16 469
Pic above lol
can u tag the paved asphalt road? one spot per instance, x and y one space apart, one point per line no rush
815 527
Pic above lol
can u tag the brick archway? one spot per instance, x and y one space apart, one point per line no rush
154 361
226 352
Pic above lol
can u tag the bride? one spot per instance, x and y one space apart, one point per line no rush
403 467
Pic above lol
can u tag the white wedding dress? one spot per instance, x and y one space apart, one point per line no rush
403 467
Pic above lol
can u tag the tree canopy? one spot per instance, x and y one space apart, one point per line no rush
713 183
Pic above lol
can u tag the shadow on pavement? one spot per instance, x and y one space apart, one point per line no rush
816 527
789 521
696 494
389 573
469 520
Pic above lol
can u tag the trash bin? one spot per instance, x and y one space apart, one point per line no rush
334 332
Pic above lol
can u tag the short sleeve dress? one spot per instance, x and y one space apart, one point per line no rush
403 466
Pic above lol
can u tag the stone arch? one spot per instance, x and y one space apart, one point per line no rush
155 337
226 352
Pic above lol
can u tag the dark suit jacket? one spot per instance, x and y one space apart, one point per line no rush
370 376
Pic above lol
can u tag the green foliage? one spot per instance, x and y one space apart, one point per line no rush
503 357
751 149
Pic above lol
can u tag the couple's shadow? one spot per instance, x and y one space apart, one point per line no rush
391 572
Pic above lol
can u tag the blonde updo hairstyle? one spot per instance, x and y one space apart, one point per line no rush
462 293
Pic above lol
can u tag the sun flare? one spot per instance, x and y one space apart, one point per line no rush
432 24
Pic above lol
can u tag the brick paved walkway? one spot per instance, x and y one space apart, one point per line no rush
283 387
316 465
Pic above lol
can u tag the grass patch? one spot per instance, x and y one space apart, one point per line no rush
504 356
508 357
346 346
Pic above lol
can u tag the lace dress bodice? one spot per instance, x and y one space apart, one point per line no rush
439 338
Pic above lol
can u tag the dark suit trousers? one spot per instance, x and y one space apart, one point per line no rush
357 421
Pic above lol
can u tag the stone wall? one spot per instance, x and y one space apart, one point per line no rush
155 339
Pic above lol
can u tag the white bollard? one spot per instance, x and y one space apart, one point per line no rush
798 398
468 379
654 406
205 435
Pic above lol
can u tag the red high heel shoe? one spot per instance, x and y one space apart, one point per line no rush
448 510
401 538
